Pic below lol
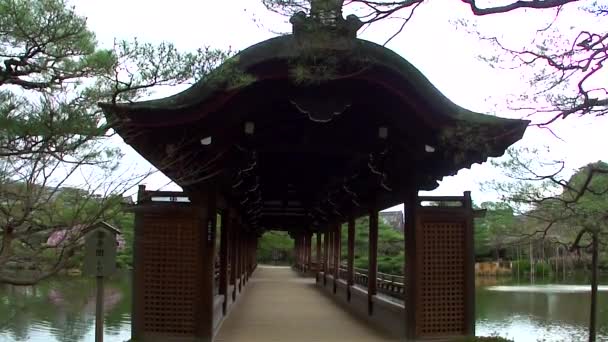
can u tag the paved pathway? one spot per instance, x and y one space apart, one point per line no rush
281 306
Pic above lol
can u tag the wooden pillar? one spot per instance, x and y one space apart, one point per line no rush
255 253
137 306
296 251
246 256
233 256
325 256
300 252
208 216
308 252
350 274
318 257
239 265
372 270
330 255
469 270
242 252
223 290
410 206
337 245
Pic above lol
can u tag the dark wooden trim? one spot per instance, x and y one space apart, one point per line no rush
373 259
409 231
439 199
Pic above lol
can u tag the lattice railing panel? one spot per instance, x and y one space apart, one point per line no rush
169 255
441 297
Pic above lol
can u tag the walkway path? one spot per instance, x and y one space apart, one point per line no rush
281 306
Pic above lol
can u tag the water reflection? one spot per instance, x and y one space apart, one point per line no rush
539 312
63 309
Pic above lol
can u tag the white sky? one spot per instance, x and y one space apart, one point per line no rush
431 42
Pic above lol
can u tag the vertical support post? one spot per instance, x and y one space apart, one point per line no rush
308 252
239 267
247 257
99 311
223 290
337 243
204 306
350 275
296 251
409 230
469 268
233 256
318 256
372 270
325 256
300 252
331 250
137 304
242 250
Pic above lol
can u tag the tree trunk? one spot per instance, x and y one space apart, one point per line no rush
564 253
6 250
531 262
594 271
543 257
556 256
518 263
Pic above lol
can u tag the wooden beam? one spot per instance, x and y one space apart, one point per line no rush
350 275
372 272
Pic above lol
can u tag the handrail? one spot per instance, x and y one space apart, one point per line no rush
389 284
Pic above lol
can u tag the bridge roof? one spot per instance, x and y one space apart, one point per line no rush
308 128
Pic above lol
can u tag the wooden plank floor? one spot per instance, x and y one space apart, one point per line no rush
279 305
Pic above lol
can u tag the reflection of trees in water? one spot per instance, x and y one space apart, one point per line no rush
542 307
66 305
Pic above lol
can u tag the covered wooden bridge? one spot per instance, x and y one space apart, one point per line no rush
305 132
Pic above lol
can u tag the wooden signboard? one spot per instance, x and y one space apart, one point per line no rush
100 252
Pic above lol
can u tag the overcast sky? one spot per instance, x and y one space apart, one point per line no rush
431 42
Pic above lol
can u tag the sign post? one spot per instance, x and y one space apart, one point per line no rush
100 261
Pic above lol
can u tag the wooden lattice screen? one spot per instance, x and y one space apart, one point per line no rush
168 272
169 260
444 283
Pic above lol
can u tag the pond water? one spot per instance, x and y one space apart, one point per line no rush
62 310
551 312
